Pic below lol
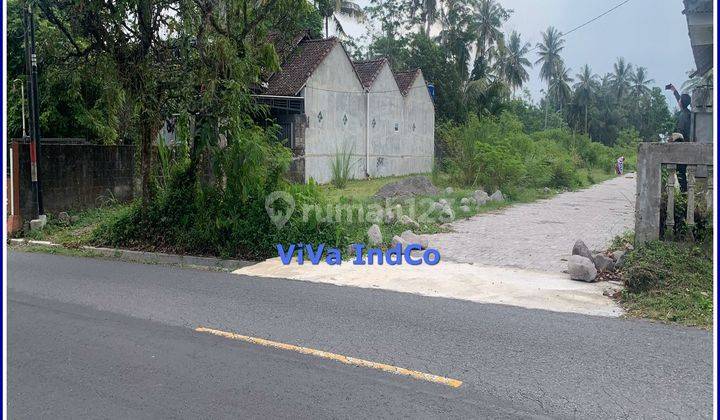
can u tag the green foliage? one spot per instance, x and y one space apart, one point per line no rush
495 152
341 166
670 281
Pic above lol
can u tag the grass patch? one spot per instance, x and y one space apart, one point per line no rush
670 282
80 231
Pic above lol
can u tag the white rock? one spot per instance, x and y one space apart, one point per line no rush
464 201
465 209
449 190
398 240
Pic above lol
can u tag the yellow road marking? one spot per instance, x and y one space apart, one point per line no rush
337 357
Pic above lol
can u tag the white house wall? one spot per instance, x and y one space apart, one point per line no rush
418 129
386 110
335 91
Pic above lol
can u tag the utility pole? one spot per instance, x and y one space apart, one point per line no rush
31 63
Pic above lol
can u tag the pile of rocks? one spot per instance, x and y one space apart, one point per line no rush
375 237
585 266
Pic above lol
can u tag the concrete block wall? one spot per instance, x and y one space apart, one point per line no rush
75 175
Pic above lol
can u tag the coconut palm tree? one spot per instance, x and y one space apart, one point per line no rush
639 83
330 9
488 18
559 86
587 84
514 62
427 9
621 77
549 51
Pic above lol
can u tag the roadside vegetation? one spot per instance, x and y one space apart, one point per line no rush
670 281
206 195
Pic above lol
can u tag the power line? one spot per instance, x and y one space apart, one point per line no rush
594 19
564 34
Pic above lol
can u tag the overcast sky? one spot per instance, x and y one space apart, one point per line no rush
650 33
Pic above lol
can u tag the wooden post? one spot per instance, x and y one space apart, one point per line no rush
690 218
670 213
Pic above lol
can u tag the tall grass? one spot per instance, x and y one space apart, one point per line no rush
341 165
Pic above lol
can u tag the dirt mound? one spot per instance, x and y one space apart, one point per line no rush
417 185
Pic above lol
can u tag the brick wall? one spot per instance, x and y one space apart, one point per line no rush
75 175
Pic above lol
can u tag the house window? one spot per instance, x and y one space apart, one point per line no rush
373 123
345 119
397 126
320 116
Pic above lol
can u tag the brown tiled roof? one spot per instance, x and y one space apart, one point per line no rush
284 46
298 68
405 79
368 70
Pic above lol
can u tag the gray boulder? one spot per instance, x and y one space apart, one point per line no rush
464 201
407 221
619 257
497 196
465 209
581 249
603 262
447 214
481 197
581 268
443 201
410 237
449 190
374 235
416 185
398 240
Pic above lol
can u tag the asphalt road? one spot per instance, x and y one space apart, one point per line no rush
108 339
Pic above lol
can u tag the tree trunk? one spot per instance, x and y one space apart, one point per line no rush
146 139
586 119
546 113
326 26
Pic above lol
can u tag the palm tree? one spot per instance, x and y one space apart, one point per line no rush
428 12
621 77
514 62
560 86
488 18
639 83
549 51
585 89
332 8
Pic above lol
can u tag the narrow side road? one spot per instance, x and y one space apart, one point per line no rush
92 337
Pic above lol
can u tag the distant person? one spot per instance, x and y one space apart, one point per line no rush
619 166
682 126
